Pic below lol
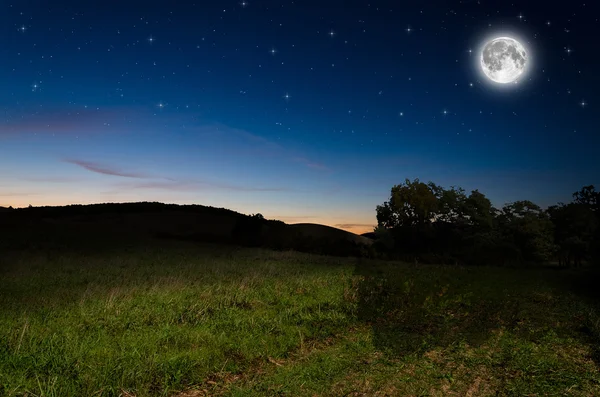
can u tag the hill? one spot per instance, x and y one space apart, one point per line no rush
105 226
328 232
370 235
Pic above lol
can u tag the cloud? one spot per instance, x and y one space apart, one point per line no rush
63 120
105 169
52 179
259 145
164 183
254 138
354 225
311 164
291 217
18 194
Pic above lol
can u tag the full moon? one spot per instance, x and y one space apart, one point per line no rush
503 60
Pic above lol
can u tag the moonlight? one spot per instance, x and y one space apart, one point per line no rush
504 60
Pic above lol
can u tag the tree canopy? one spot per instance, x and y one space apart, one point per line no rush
425 220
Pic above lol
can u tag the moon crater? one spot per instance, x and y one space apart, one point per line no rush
504 60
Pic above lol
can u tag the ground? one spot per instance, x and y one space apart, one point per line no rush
172 318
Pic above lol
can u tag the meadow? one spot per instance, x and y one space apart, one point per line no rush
173 318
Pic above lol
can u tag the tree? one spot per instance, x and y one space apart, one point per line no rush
575 226
386 217
384 239
526 225
412 203
451 206
589 197
479 210
427 220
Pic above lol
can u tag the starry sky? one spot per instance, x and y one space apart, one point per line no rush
304 111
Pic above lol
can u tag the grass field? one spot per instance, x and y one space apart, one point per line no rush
181 319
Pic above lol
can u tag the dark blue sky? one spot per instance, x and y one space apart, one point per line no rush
303 111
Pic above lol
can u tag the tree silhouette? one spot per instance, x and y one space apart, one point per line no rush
428 223
575 225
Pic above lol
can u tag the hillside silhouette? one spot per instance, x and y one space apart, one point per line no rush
112 225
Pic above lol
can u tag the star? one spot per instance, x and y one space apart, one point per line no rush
521 16
244 4
287 96
548 23
568 50
470 84
331 33
445 112
401 114
151 39
408 29
22 29
161 105
583 103
273 51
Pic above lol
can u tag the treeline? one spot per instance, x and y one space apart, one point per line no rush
427 223
111 208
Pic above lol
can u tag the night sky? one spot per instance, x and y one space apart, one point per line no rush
303 111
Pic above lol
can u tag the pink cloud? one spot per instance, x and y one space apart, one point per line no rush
60 121
53 179
161 182
105 169
18 194
353 225
67 120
